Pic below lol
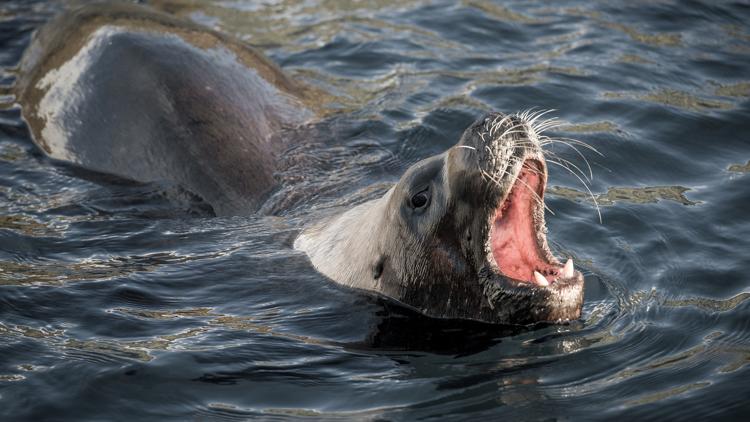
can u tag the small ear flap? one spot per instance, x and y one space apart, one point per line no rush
377 268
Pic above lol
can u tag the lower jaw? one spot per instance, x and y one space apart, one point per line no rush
520 303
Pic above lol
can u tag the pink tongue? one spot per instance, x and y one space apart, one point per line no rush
513 238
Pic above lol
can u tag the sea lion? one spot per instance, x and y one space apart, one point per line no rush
118 88
461 235
124 90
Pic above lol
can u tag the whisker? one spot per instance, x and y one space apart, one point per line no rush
527 113
576 142
536 117
496 125
533 122
530 113
514 127
568 162
522 124
548 124
585 160
538 198
511 133
593 198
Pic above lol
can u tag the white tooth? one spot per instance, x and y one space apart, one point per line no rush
540 279
567 271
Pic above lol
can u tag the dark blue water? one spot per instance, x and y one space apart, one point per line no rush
119 302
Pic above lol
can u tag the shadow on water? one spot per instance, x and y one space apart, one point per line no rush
143 200
402 329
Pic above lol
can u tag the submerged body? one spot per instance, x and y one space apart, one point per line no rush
123 90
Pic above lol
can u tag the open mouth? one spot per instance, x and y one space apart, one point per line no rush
517 233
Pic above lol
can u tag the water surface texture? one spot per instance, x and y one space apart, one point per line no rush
125 301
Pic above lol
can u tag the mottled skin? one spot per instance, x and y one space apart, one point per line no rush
123 90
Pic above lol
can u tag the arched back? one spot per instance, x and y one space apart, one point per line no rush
150 98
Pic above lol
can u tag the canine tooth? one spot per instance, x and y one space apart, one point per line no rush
567 271
540 279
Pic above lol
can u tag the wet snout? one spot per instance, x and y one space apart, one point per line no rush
492 152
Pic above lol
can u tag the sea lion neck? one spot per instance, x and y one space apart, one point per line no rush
345 246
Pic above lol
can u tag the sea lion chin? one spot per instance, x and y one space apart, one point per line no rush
461 235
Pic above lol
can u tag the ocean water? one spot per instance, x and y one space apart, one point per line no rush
120 302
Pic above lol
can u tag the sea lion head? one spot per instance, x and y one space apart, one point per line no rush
461 235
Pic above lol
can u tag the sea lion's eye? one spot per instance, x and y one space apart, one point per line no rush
420 200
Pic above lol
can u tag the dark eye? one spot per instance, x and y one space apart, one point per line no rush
420 200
